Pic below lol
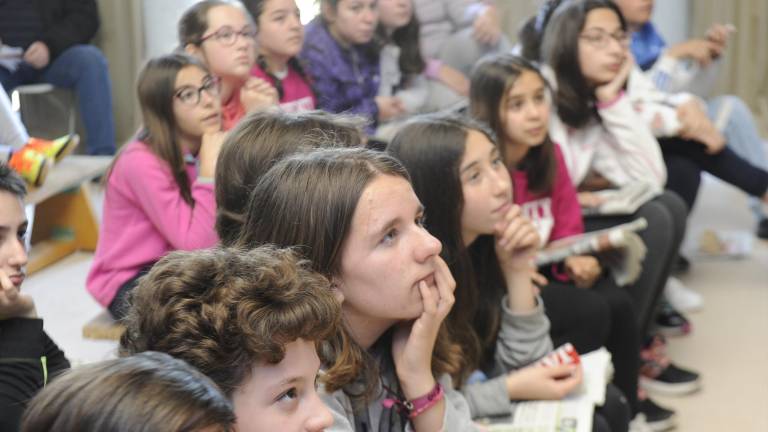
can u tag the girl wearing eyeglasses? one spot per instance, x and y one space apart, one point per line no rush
279 37
159 191
221 33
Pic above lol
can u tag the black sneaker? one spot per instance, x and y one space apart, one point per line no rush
670 322
762 229
672 381
657 419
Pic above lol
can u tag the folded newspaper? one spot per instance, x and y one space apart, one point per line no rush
623 201
619 247
573 413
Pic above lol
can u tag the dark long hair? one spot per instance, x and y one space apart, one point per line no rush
491 81
532 31
259 141
574 97
411 62
308 201
156 91
431 148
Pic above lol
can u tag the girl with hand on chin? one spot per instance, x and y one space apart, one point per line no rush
354 215
279 38
221 34
159 194
459 172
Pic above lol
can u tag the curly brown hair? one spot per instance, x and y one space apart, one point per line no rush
225 310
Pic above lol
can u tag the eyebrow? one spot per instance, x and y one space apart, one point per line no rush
538 89
386 227
22 226
471 165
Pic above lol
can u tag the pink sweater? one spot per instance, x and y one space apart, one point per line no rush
556 214
297 94
145 217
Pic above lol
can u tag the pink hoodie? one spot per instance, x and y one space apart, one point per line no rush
145 217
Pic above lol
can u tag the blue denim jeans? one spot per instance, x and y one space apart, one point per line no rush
743 138
83 69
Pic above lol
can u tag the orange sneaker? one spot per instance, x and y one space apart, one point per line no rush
55 149
31 165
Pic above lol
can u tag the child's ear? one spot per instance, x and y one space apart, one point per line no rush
194 51
336 289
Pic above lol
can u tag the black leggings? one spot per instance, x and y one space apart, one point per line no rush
603 315
614 415
666 216
119 306
686 160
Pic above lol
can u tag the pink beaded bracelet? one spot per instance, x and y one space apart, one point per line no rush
416 407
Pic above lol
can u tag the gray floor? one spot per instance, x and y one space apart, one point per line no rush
729 344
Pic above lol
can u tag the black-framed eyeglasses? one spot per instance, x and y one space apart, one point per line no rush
599 38
191 95
228 36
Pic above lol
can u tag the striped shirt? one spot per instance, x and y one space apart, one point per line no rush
20 23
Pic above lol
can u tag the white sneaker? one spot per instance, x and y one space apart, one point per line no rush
681 297
639 424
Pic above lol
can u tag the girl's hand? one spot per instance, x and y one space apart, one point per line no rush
610 91
487 28
454 80
699 50
589 200
14 304
390 107
258 94
517 241
413 342
583 269
537 382
209 153
696 125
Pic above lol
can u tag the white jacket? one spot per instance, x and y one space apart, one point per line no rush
621 148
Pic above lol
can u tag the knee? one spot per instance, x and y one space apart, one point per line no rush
677 208
87 57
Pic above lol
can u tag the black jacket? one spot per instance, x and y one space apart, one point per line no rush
23 344
67 23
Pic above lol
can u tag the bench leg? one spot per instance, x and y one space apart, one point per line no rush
63 224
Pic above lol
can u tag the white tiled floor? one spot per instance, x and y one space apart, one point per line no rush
729 345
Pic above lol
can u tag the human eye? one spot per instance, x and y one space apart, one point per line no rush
421 220
389 237
288 395
225 33
186 94
473 176
515 105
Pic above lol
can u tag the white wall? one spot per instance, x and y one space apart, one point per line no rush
160 19
672 19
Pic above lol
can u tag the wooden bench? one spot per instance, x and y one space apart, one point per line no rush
62 220
103 326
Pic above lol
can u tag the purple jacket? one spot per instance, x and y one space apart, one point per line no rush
345 80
